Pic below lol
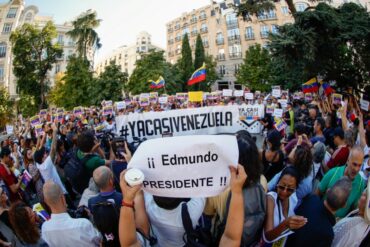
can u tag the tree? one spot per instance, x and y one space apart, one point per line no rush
84 34
34 55
185 64
199 57
211 73
6 107
75 88
333 43
255 72
150 67
109 84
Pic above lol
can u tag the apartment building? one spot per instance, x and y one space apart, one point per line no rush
226 36
14 14
126 56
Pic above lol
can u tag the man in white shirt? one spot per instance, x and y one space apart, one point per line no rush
62 230
165 217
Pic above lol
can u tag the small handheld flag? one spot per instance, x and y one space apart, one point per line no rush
198 76
311 86
158 83
327 88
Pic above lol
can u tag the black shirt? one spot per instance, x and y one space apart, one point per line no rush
318 230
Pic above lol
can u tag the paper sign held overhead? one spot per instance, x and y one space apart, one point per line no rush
195 96
238 93
163 100
120 105
186 166
276 93
227 92
249 96
278 113
364 104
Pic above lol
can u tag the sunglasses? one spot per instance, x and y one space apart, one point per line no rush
290 190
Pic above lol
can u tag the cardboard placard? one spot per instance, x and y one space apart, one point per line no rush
249 96
195 96
238 93
227 92
364 104
278 112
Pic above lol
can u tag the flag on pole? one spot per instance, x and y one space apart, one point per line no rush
158 83
327 88
198 76
311 86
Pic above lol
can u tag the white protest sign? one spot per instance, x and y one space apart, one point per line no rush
276 93
283 102
249 96
163 100
227 92
278 113
120 105
238 93
364 104
9 129
186 166
249 116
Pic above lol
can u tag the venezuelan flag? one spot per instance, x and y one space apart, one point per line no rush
311 86
327 88
158 83
198 76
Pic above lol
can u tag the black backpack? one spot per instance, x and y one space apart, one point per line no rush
76 172
198 237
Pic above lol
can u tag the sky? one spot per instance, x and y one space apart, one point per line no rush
122 20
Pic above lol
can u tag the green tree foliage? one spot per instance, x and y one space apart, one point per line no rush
150 67
84 32
185 64
211 74
199 58
109 84
255 72
333 43
75 89
34 55
6 107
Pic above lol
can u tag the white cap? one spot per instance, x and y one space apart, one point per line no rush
134 177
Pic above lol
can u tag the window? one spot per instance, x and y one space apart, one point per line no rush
266 15
219 39
203 28
2 49
185 31
143 48
249 33
1 72
236 68
28 17
60 39
12 13
7 28
205 41
221 55
264 31
202 15
285 10
57 68
178 37
177 25
193 19
233 32
222 69
235 51
274 29
301 7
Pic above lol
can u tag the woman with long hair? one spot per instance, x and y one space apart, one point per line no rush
25 225
30 166
272 156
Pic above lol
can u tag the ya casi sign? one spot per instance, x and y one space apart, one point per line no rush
186 166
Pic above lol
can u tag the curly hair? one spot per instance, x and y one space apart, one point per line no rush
303 161
26 230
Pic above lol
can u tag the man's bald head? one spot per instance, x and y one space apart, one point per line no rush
102 177
52 193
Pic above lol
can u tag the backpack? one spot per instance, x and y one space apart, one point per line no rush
198 237
76 172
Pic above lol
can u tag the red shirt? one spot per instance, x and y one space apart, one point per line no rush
339 157
9 179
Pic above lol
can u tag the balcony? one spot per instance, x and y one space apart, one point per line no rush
194 33
177 39
220 57
170 42
235 39
232 24
203 17
170 30
177 27
235 55
249 36
170 54
203 30
269 16
264 35
193 20
220 41
205 44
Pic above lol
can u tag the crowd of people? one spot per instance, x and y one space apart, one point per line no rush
305 186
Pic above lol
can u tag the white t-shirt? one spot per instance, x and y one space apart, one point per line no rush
49 172
167 224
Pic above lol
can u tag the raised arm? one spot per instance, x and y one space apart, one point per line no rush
235 219
53 149
361 131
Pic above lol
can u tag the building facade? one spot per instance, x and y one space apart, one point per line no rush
14 14
126 56
226 36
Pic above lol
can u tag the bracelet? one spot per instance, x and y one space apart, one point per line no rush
129 205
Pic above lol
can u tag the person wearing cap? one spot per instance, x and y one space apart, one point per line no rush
10 180
341 154
351 230
351 170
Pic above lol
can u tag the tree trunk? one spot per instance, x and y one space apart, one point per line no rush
291 7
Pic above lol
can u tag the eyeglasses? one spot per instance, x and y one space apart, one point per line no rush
290 190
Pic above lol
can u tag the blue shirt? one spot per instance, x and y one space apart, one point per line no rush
318 139
115 197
